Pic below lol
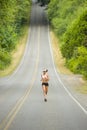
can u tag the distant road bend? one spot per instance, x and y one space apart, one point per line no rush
21 98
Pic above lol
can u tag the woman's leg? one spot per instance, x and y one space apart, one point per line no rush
44 92
46 89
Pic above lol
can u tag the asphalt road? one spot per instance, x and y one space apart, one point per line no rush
21 98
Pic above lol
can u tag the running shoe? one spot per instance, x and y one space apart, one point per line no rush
45 100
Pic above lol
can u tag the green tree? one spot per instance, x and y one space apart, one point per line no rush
68 19
75 36
13 15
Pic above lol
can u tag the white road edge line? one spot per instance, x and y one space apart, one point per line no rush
59 79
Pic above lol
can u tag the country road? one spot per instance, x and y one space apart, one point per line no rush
22 106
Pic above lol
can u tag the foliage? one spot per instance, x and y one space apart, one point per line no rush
78 63
53 10
13 15
75 36
63 12
69 21
7 18
8 37
22 16
5 59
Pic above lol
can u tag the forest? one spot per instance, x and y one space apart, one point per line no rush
14 14
68 19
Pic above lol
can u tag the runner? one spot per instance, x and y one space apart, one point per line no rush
45 79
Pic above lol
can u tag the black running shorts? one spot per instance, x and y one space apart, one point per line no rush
45 84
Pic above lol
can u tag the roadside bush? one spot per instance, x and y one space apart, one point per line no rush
53 9
78 63
8 37
75 36
59 26
5 59
68 19
13 16
62 13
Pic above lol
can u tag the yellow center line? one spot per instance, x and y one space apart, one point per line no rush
10 117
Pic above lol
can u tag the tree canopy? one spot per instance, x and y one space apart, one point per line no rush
68 19
13 15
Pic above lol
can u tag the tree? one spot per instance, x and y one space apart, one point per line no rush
13 15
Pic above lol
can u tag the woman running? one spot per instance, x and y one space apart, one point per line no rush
45 84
